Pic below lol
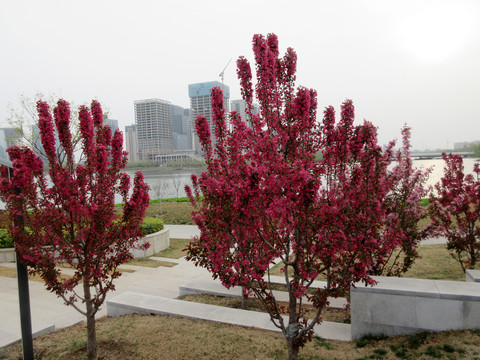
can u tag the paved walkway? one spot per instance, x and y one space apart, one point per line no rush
49 311
438 240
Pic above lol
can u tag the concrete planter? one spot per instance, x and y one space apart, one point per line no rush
399 306
7 255
158 241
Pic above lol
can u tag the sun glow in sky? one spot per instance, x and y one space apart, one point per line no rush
436 34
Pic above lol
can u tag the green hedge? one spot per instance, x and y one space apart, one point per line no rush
425 202
179 199
151 225
5 239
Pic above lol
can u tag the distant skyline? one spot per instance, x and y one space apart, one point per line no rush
414 62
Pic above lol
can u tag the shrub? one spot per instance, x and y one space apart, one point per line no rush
424 202
5 239
151 225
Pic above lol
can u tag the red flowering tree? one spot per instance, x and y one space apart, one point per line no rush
455 211
70 219
405 210
268 198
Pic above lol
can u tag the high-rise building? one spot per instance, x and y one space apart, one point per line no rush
200 104
153 118
110 122
181 129
240 107
131 142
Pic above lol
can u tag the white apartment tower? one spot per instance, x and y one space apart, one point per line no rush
153 118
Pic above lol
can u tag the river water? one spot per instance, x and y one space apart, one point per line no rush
437 166
168 181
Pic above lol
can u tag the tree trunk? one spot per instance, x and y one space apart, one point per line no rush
291 332
91 333
293 349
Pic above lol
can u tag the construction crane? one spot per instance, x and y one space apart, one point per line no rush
223 72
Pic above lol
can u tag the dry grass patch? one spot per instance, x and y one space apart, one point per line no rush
12 273
172 212
147 262
165 337
254 304
435 263
175 250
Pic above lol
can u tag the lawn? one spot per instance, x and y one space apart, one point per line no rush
171 212
166 337
11 272
175 251
435 263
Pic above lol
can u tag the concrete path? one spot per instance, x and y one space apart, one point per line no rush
433 241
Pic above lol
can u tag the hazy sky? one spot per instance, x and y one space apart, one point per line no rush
414 62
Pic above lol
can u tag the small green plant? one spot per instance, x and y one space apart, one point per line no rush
5 239
434 351
380 352
320 342
401 351
369 339
424 202
77 345
414 341
448 348
151 225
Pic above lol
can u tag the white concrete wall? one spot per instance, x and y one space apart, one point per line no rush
472 275
158 241
7 255
397 306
